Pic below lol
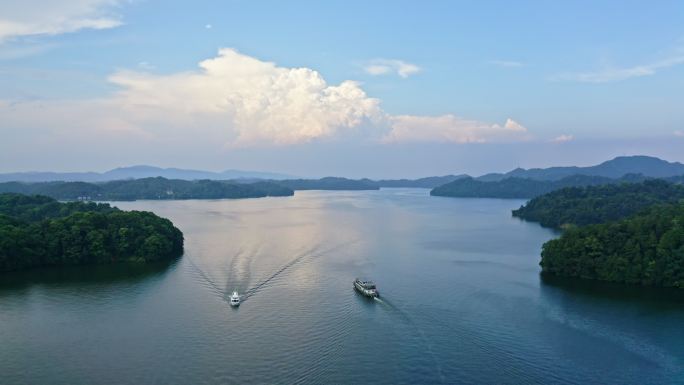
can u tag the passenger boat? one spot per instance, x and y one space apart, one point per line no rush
366 288
235 299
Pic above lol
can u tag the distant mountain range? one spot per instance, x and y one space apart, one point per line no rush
138 172
615 168
521 183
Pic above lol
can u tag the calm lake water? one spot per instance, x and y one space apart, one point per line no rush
462 302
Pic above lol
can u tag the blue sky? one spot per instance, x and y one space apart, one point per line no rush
436 87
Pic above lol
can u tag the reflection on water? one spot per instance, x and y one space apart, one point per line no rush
462 302
649 297
81 277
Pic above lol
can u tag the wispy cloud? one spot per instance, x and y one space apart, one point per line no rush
450 128
391 66
507 63
562 138
49 17
18 51
144 65
679 133
614 74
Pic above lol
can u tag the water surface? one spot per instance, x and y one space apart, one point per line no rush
462 302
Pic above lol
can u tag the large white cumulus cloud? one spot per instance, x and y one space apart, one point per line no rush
257 100
237 100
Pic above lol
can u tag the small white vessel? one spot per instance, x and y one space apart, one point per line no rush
366 288
235 299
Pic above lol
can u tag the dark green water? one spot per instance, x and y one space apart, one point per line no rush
462 302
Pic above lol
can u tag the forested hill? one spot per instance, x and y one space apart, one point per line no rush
629 233
525 188
644 249
148 188
520 188
334 183
39 231
329 183
598 204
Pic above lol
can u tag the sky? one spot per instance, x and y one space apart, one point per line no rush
348 88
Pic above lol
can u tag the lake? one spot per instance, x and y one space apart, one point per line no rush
462 301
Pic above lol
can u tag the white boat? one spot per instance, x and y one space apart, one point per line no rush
235 299
366 288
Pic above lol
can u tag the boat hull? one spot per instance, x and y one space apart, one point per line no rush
235 299
366 292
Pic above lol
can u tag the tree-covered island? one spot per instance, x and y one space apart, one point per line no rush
39 231
627 233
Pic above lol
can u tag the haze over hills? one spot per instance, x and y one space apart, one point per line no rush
615 168
428 182
137 172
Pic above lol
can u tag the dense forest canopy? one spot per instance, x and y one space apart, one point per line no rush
148 188
644 249
39 231
629 233
598 204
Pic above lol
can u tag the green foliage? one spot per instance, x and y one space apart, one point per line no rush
518 188
597 204
36 208
148 188
39 231
645 249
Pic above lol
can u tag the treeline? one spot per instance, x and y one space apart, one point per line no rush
148 188
39 231
329 183
598 204
162 188
518 188
522 188
335 183
644 249
428 182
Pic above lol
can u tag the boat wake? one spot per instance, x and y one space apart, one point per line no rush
239 271
309 254
253 290
209 283
387 304
239 259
